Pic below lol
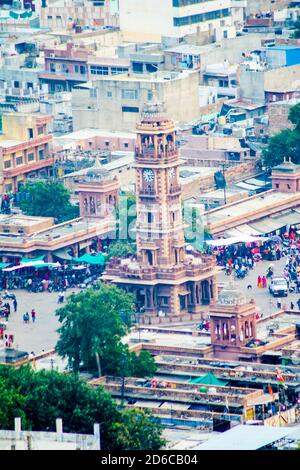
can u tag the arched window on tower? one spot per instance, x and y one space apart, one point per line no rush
232 332
246 330
225 331
150 257
251 329
217 331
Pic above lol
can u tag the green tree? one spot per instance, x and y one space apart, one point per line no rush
49 199
142 365
12 404
92 325
294 116
284 144
280 145
128 432
120 248
41 397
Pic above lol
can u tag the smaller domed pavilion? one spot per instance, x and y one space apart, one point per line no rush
233 322
98 192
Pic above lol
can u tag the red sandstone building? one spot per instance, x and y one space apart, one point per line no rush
25 149
164 278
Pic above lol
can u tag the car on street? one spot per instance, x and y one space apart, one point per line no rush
278 287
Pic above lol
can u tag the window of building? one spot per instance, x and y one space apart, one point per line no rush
29 85
137 67
149 95
76 68
16 84
49 17
93 92
82 69
19 160
30 133
41 155
129 94
118 70
30 157
130 109
7 163
107 143
183 3
126 145
149 217
192 19
8 188
40 130
52 67
109 94
277 185
288 186
99 70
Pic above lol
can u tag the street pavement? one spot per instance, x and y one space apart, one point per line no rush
42 335
265 301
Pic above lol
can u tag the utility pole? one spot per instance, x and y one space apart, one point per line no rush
123 379
223 171
98 364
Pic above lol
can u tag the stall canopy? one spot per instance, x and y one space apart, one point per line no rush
91 259
62 254
243 229
238 239
32 260
4 265
33 264
209 379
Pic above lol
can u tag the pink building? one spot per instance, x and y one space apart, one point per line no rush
286 177
70 66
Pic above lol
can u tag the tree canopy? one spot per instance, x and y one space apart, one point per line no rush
93 324
41 397
286 143
49 199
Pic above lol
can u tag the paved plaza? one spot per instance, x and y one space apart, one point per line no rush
41 335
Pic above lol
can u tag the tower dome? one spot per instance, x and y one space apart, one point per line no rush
97 172
153 108
232 295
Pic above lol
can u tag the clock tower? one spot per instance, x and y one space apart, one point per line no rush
165 279
159 230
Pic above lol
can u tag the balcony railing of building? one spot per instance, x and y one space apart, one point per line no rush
49 75
173 190
158 157
146 192
115 268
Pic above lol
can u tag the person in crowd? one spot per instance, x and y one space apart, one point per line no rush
33 315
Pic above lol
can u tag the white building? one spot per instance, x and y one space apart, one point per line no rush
115 102
174 17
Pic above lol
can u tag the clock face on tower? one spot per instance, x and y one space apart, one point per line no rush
148 175
172 173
